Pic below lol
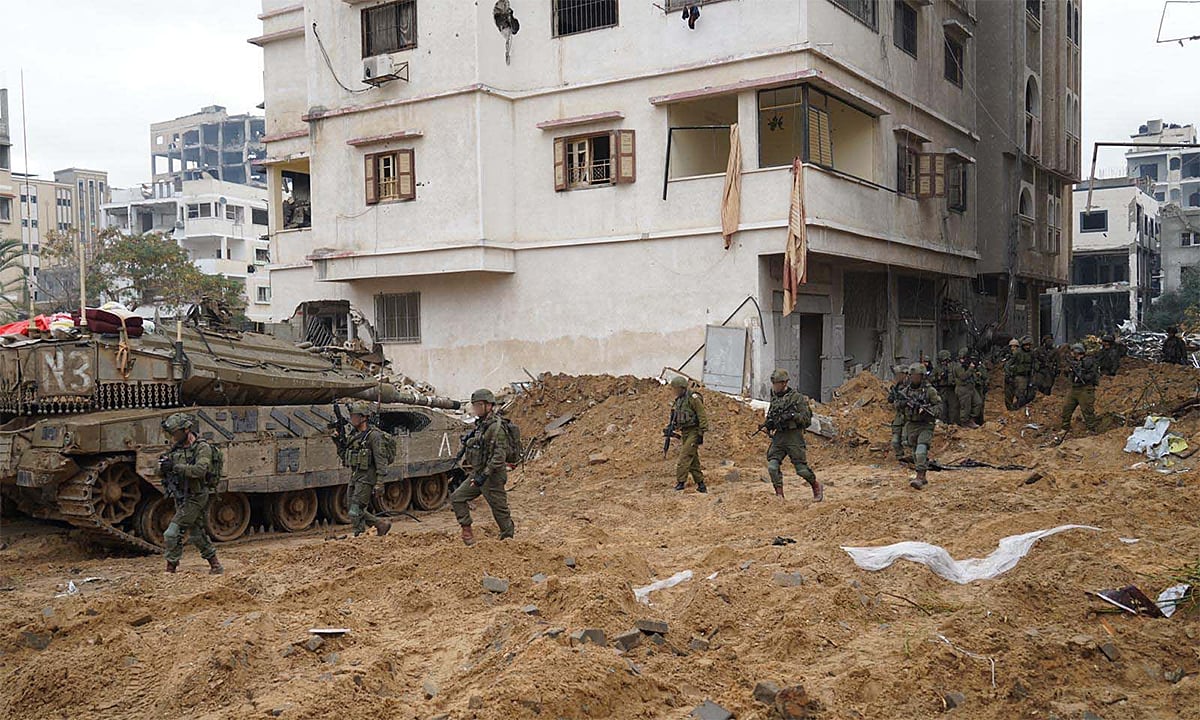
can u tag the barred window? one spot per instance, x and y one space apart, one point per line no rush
389 28
398 317
867 11
905 35
576 16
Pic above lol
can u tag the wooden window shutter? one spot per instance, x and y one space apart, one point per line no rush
625 154
406 175
372 182
924 175
939 175
820 144
560 164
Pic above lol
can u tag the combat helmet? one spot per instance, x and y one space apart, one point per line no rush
483 395
780 375
917 368
178 421
964 351
360 407
943 354
1078 348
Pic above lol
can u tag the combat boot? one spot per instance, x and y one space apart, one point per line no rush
779 491
701 488
172 566
468 535
818 490
382 527
679 487
214 566
919 482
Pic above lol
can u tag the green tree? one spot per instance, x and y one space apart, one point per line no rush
12 279
1178 307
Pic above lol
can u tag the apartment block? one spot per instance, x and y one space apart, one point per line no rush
9 214
222 225
1115 260
553 200
226 147
1029 157
91 192
1170 174
1180 245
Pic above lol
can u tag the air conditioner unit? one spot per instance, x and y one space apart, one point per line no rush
380 69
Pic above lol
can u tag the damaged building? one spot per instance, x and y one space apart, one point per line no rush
226 147
552 199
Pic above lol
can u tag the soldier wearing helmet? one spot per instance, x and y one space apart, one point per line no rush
921 405
1174 349
1045 365
689 418
970 400
365 457
190 476
1108 360
1017 373
943 382
486 448
1084 377
899 382
787 418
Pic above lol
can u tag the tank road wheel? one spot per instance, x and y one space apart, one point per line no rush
430 493
117 491
396 497
228 516
294 510
335 504
153 518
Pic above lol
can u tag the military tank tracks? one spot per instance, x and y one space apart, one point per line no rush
114 505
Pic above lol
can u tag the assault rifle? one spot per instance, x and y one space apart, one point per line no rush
340 438
920 405
669 432
174 486
458 474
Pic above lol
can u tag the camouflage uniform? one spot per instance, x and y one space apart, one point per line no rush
192 466
1174 350
486 448
981 389
364 456
893 399
943 380
921 403
1045 366
787 418
1017 372
1084 378
969 398
1109 358
692 423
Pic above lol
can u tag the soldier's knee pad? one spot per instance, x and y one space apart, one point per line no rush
172 533
355 511
773 466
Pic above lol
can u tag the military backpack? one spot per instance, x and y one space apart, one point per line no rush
512 434
387 447
216 469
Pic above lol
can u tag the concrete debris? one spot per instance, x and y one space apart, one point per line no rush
653 626
570 562
314 643
597 459
141 620
657 639
36 641
953 700
709 710
539 578
793 703
594 636
554 632
494 584
530 609
765 692
430 687
784 579
698 644
628 640
1110 651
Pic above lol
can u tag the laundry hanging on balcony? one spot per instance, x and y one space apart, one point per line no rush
795 259
731 197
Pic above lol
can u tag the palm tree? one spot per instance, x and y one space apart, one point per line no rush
12 279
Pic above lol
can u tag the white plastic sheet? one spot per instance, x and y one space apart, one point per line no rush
641 594
1151 438
935 557
1168 599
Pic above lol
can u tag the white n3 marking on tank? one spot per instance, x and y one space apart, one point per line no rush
445 446
79 366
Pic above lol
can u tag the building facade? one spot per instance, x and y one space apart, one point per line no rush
1029 157
222 225
9 213
1171 175
553 200
1180 245
1115 260
91 193
226 147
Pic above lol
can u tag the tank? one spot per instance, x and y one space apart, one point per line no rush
81 435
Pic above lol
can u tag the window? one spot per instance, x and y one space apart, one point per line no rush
867 11
263 294
916 299
906 168
1034 8
1189 239
699 136
1094 221
954 60
258 217
390 177
389 28
1174 163
1054 219
592 160
1191 166
576 16
398 317
201 210
1149 170
905 35
956 184
800 121
236 213
1176 196
1160 196
1194 199
262 255
5 209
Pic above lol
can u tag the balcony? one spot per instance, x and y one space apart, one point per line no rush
217 266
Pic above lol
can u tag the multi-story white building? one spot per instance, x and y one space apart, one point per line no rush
1170 174
1115 259
222 225
552 200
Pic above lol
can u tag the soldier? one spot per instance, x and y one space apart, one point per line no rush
190 474
486 449
901 382
944 383
1084 378
787 418
964 389
1109 359
689 418
1045 365
368 469
921 403
1174 350
1017 372
982 368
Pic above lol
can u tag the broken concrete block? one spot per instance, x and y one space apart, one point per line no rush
539 578
628 640
597 459
591 635
314 643
570 562
1110 651
954 699
494 584
657 639
698 644
792 579
331 659
36 641
430 687
554 632
289 651
744 565
765 692
709 710
530 609
652 626
141 620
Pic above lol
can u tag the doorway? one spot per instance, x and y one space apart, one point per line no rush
798 350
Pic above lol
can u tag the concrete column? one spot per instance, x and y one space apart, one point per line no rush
224 248
748 126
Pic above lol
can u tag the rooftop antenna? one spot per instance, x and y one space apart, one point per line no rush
28 235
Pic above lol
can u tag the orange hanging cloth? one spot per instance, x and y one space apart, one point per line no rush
731 197
795 259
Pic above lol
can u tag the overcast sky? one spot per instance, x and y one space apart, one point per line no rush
98 73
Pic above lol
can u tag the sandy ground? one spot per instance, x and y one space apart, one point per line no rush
427 640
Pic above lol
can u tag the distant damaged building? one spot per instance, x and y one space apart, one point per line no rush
213 142
557 198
